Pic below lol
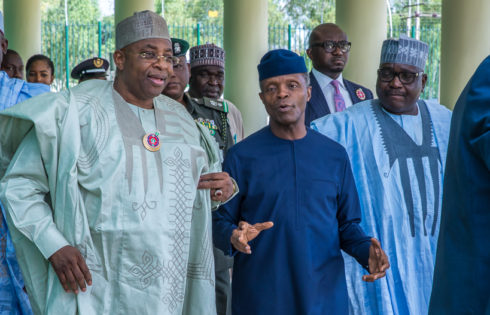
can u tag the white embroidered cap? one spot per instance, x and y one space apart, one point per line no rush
405 50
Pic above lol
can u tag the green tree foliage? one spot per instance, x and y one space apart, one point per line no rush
404 14
80 11
309 13
190 11
83 16
198 9
405 10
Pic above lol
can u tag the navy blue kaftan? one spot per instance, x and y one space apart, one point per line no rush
306 188
462 272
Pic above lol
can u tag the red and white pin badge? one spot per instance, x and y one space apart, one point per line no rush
360 94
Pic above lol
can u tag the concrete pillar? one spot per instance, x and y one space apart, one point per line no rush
23 26
245 42
465 43
365 23
126 8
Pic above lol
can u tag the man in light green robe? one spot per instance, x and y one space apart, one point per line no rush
78 175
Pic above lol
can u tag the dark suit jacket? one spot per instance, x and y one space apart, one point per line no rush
317 106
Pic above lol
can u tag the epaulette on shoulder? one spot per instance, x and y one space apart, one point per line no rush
199 101
215 104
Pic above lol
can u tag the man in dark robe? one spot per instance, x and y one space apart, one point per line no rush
311 199
462 272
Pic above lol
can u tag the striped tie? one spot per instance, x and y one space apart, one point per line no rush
337 97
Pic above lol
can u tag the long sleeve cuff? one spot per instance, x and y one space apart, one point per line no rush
50 241
216 204
364 254
230 251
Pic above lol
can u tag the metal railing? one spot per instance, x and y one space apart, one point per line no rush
97 39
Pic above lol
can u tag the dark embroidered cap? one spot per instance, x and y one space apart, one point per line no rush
207 55
280 62
405 50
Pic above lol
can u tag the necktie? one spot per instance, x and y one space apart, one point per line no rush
337 97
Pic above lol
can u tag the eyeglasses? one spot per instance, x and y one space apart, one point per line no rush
330 45
152 57
405 77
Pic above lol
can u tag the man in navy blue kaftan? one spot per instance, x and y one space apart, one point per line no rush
462 272
310 200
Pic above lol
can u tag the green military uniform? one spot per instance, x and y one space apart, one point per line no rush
213 115
224 122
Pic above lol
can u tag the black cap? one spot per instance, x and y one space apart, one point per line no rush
179 47
90 67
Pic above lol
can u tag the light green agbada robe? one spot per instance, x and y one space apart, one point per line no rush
81 176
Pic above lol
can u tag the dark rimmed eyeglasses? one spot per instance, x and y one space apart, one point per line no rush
330 45
405 77
152 57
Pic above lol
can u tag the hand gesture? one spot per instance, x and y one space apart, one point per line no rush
378 262
71 269
220 184
245 233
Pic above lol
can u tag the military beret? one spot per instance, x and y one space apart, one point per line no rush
179 47
93 66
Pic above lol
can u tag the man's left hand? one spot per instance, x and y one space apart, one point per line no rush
378 262
220 184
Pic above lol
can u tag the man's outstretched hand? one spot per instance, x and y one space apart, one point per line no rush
378 262
245 232
71 269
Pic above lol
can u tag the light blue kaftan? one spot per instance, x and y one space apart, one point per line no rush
13 299
13 91
398 165
81 176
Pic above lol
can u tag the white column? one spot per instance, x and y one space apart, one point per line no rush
465 42
365 23
23 26
245 42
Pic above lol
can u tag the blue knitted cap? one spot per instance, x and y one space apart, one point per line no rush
280 62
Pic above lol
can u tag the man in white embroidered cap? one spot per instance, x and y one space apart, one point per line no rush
101 193
397 147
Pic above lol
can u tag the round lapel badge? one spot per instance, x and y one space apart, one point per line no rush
151 141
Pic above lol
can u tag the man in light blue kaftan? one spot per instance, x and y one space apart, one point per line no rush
397 146
100 189
13 299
